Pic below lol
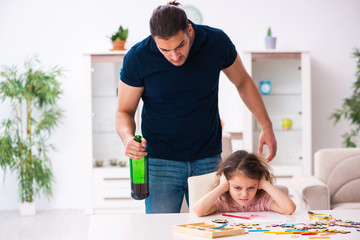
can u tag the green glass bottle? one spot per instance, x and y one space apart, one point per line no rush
139 176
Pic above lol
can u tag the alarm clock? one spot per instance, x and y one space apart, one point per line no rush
193 14
265 87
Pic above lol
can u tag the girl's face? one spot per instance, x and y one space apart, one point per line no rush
242 189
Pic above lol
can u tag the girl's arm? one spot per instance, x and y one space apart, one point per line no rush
205 205
281 202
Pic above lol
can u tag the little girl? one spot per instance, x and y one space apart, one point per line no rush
245 185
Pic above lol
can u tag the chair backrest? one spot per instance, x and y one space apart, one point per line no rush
339 169
227 148
199 186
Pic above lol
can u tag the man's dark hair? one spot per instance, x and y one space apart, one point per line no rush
167 20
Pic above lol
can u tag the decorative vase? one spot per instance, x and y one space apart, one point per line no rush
27 208
270 42
118 45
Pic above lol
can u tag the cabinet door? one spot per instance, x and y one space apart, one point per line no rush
284 105
287 104
106 142
110 190
104 81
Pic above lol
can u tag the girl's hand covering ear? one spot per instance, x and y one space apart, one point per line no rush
262 183
224 181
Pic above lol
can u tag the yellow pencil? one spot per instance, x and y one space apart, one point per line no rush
317 237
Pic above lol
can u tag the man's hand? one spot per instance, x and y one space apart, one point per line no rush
134 149
267 137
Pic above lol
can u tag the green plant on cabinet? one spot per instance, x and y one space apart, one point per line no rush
121 34
24 146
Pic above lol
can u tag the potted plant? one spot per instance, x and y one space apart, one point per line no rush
24 136
270 41
119 39
351 109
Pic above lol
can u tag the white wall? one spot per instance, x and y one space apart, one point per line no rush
61 31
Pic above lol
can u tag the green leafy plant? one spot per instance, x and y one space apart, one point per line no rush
121 34
351 109
24 136
269 32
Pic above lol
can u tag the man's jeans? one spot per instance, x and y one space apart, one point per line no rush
168 182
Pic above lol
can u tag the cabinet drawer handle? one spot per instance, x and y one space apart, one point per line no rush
115 179
116 198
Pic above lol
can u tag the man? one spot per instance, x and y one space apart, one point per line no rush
176 73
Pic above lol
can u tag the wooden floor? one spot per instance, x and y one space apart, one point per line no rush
45 225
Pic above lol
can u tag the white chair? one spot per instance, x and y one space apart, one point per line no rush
199 186
227 148
226 152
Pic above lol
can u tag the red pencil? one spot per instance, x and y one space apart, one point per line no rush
308 233
242 217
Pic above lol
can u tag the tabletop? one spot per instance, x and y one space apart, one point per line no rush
159 226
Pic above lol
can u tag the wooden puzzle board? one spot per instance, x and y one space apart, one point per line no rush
204 229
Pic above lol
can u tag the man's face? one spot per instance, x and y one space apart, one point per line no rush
175 49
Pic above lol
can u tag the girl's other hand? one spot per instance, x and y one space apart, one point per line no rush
224 182
262 183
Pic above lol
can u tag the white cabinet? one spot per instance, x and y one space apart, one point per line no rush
111 191
109 186
289 98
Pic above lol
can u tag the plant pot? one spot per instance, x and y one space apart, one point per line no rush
270 42
27 209
118 45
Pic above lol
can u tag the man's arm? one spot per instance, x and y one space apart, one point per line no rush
252 99
128 100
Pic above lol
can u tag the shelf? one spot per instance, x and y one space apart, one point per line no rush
104 132
288 131
112 167
116 56
104 96
281 130
282 95
276 56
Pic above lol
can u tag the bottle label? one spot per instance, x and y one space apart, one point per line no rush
138 171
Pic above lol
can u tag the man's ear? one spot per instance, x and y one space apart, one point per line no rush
190 29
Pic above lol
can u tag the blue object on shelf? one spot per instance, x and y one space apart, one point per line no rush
265 87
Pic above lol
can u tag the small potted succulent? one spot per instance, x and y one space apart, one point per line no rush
119 39
270 41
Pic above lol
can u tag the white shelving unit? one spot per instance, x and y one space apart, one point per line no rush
109 186
290 97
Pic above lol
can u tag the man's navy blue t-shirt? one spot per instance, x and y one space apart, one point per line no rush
180 116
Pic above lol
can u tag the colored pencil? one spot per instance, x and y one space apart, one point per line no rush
317 237
242 217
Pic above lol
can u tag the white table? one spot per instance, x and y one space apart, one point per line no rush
159 226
